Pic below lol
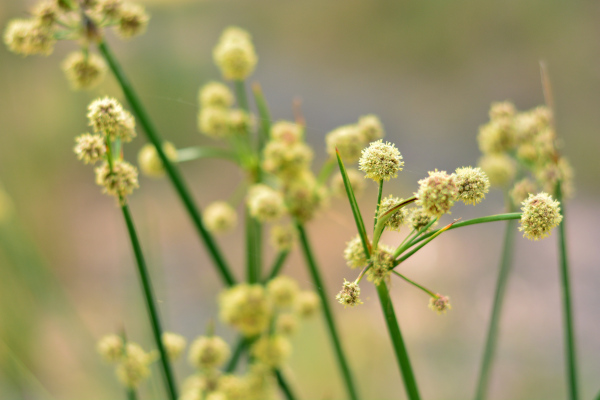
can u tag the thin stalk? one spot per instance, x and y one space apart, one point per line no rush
277 265
284 386
196 152
380 222
379 193
240 92
150 304
239 349
408 376
172 171
252 268
131 394
320 289
597 396
423 288
419 247
265 117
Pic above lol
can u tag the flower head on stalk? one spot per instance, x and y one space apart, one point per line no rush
349 295
381 161
440 304
540 215
437 193
235 55
473 184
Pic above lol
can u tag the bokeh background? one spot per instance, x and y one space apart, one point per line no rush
429 69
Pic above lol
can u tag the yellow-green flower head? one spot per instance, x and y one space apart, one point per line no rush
27 37
133 20
120 182
370 128
174 344
214 122
437 193
540 215
381 161
473 184
235 55
90 148
354 254
215 94
234 387
286 324
307 303
286 160
111 348
501 110
240 121
399 217
549 175
349 295
108 9
496 136
418 218
499 168
84 71
440 304
208 352
283 237
282 291
46 13
348 140
265 204
150 163
273 351
246 308
521 190
304 196
219 217
107 116
357 182
134 367
6 205
529 123
195 386
381 267
545 146
287 132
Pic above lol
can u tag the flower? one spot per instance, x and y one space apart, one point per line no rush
90 148
84 71
246 307
381 161
219 217
265 204
349 295
107 116
272 351
282 290
437 193
472 183
215 94
235 55
540 215
354 254
119 182
111 348
174 344
208 352
398 217
150 163
440 303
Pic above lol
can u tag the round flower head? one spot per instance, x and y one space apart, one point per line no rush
399 216
120 182
214 122
265 204
90 148
348 140
149 161
354 254
107 116
381 161
208 352
287 132
174 344
84 71
111 348
46 13
549 175
282 291
521 190
304 197
235 55
381 267
357 182
108 9
247 308
234 387
496 136
134 366
219 217
133 20
349 295
499 168
307 303
505 109
215 94
27 37
418 218
283 237
286 324
272 351
437 193
286 160
440 304
540 215
472 184
370 128
239 121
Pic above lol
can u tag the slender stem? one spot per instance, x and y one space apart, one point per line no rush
252 269
423 288
265 117
419 247
131 394
196 152
492 334
277 265
410 384
320 289
242 98
379 193
284 386
150 304
597 396
239 349
171 169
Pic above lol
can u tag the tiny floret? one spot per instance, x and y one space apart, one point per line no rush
440 304
119 182
111 348
286 160
540 215
381 161
399 216
304 196
133 20
354 254
381 266
90 148
107 116
215 94
500 110
149 161
287 132
84 71
208 352
282 290
349 295
473 184
219 217
109 9
46 13
418 219
521 190
235 55
174 344
134 366
272 350
265 204
437 193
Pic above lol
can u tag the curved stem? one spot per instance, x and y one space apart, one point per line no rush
284 386
379 193
277 265
196 152
423 288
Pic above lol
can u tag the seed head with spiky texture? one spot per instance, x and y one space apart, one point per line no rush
107 116
540 215
90 148
381 161
349 295
437 193
399 216
473 184
219 217
418 218
119 182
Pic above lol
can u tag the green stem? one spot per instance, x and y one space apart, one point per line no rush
284 386
410 384
196 152
277 265
265 117
131 394
419 247
150 304
239 349
172 171
320 289
252 273
492 334
240 92
379 193
423 288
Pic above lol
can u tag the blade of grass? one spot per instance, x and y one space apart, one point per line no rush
326 171
277 265
240 347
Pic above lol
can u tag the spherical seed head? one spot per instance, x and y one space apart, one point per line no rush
287 132
282 291
349 295
133 20
208 352
240 121
550 174
111 348
540 215
283 237
109 9
530 123
174 344
496 136
307 303
265 204
500 110
90 148
107 116
235 55
84 71
437 193
246 308
150 163
521 190
120 182
381 161
215 94
357 182
214 122
399 216
46 13
234 387
219 217
349 142
304 196
27 37
272 351
381 267
370 128
499 168
286 160
440 304
354 254
473 184
418 218
286 324
134 366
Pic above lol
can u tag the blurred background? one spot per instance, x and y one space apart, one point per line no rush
429 69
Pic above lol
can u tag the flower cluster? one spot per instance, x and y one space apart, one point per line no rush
132 362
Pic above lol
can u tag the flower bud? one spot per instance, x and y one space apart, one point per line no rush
283 237
497 136
499 168
286 324
354 254
286 160
111 348
304 197
215 94
174 344
134 366
286 132
418 218
27 37
307 303
133 20
282 291
150 163
370 128
399 216
214 122
265 204
235 55
348 140
440 304
381 266
272 351
246 308
107 116
501 110
120 182
521 190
